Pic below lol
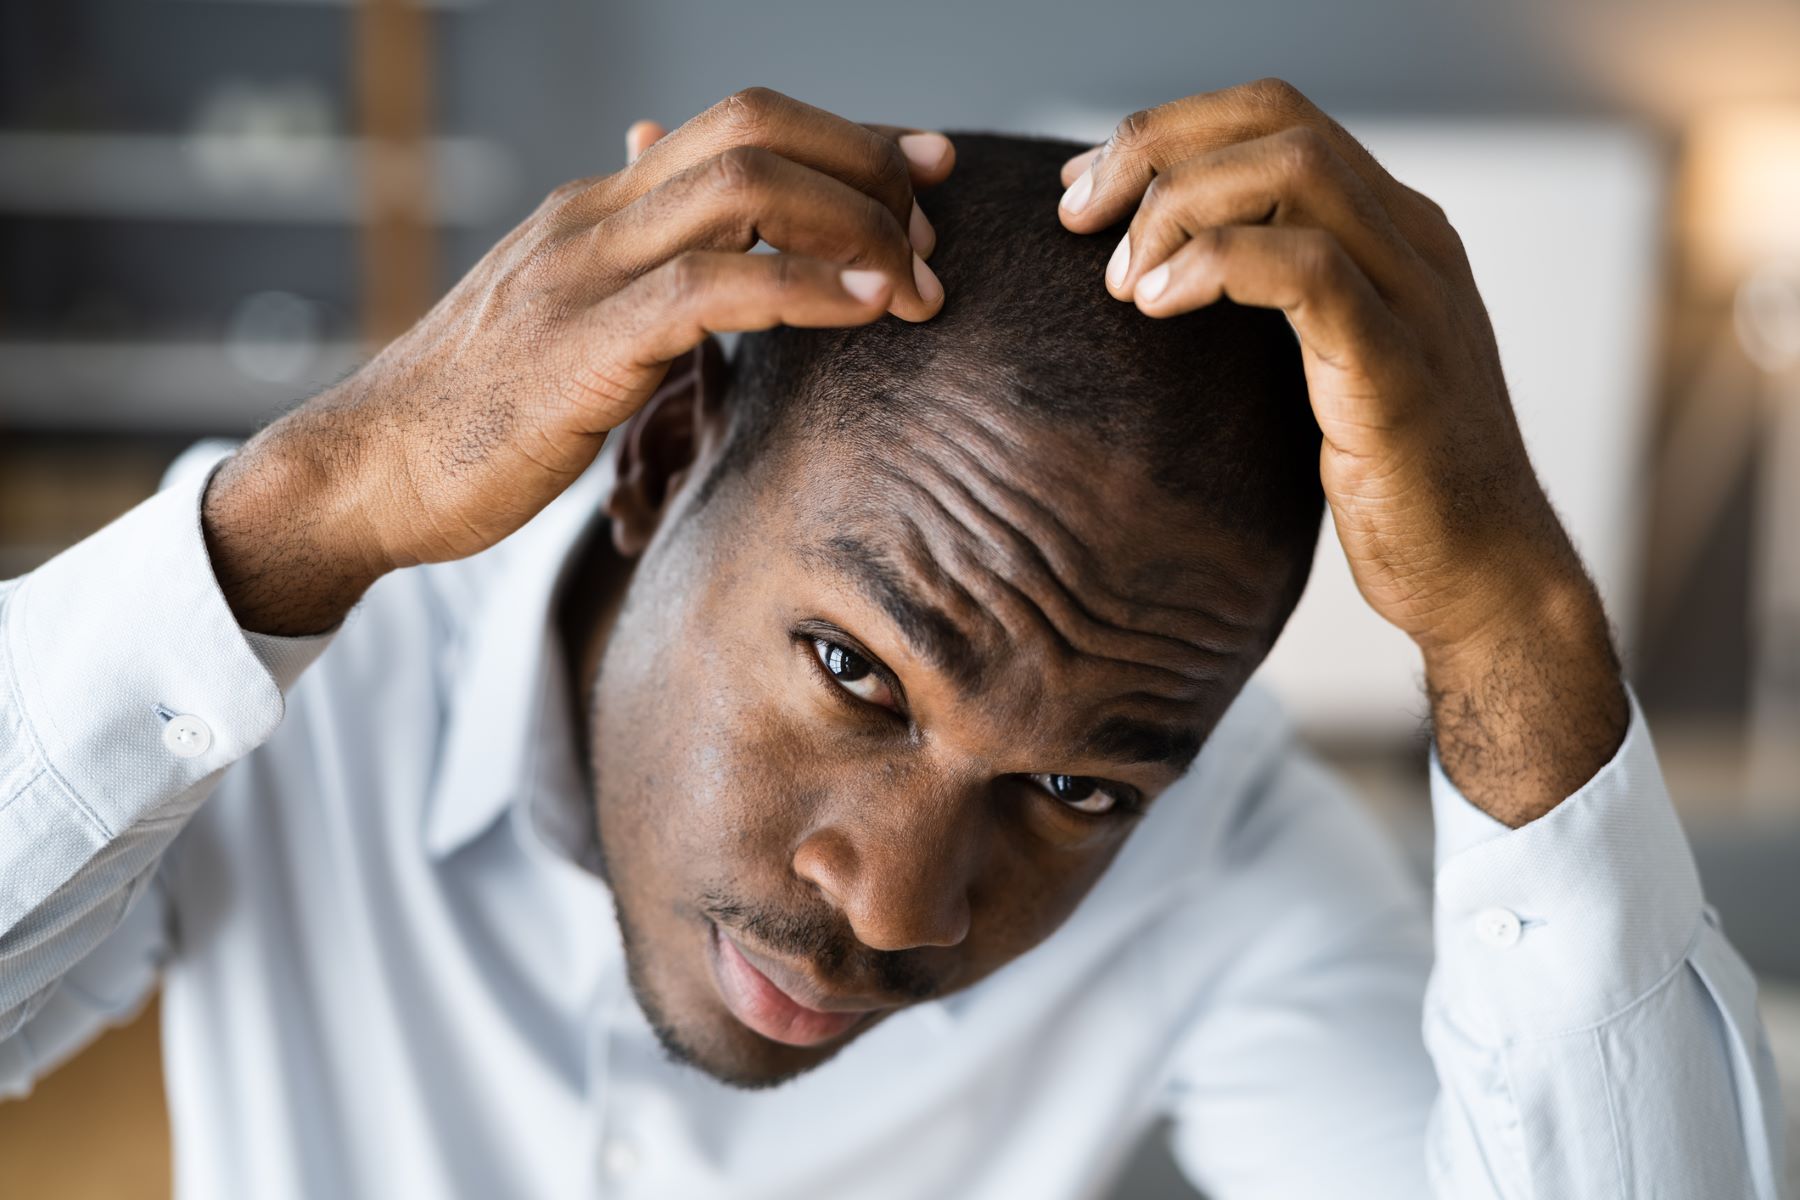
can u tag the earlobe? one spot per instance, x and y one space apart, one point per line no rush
661 443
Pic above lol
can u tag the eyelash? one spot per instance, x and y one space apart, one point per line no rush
1126 801
808 640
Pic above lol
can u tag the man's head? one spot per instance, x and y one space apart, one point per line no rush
922 616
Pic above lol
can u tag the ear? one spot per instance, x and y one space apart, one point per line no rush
676 429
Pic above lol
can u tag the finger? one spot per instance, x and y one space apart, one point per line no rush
1305 273
672 309
930 156
746 195
1072 169
1294 177
1151 140
639 138
866 160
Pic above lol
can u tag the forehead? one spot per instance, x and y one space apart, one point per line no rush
1027 561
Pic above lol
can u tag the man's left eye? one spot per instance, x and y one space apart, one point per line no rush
1082 793
852 672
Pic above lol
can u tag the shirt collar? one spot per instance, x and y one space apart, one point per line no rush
508 732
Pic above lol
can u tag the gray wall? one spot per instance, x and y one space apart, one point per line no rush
560 83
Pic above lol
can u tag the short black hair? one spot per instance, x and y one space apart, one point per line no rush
1213 402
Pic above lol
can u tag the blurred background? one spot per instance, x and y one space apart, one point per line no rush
211 208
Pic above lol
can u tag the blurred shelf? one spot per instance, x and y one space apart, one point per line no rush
428 5
150 387
298 179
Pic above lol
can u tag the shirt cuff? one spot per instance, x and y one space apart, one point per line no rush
133 676
284 658
1563 922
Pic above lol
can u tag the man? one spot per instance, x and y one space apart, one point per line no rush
852 693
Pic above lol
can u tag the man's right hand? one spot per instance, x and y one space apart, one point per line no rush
466 426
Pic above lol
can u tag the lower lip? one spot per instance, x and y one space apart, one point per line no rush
764 1007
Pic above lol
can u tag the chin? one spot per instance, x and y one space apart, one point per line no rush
713 1042
696 1028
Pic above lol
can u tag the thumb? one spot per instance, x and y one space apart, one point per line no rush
639 137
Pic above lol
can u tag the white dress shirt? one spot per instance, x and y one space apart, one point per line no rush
386 971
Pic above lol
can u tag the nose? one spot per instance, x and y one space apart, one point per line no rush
898 866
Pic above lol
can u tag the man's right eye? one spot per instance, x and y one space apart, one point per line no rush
852 672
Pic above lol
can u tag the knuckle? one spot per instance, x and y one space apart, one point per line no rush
888 167
738 170
1278 94
1134 131
784 273
1211 241
1307 154
748 110
563 191
1163 203
1429 227
684 279
1431 207
1318 257
563 195
877 233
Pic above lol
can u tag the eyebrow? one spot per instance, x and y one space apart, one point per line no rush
932 635
1127 740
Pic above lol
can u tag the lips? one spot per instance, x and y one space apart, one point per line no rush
768 1009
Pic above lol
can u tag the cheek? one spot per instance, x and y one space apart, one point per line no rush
700 778
1030 895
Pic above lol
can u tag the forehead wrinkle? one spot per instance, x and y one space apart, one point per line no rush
1085 633
1121 738
1079 572
1152 675
931 634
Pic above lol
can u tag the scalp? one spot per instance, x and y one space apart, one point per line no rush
1212 404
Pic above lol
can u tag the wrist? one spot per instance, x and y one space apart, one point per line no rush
286 533
1555 616
1530 704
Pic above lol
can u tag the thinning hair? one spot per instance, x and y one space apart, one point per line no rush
1212 403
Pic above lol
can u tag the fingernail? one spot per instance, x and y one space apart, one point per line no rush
1082 161
1151 286
919 231
633 151
930 290
924 150
866 286
1120 263
1076 198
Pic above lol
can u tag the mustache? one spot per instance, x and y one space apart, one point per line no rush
828 944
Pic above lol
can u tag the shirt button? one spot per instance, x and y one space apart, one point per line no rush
620 1158
1497 927
186 737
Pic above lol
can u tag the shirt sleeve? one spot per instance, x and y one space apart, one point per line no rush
126 688
1594 1034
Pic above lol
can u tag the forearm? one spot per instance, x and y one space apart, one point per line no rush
1528 709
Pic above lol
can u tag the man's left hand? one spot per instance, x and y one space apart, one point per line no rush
1254 195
